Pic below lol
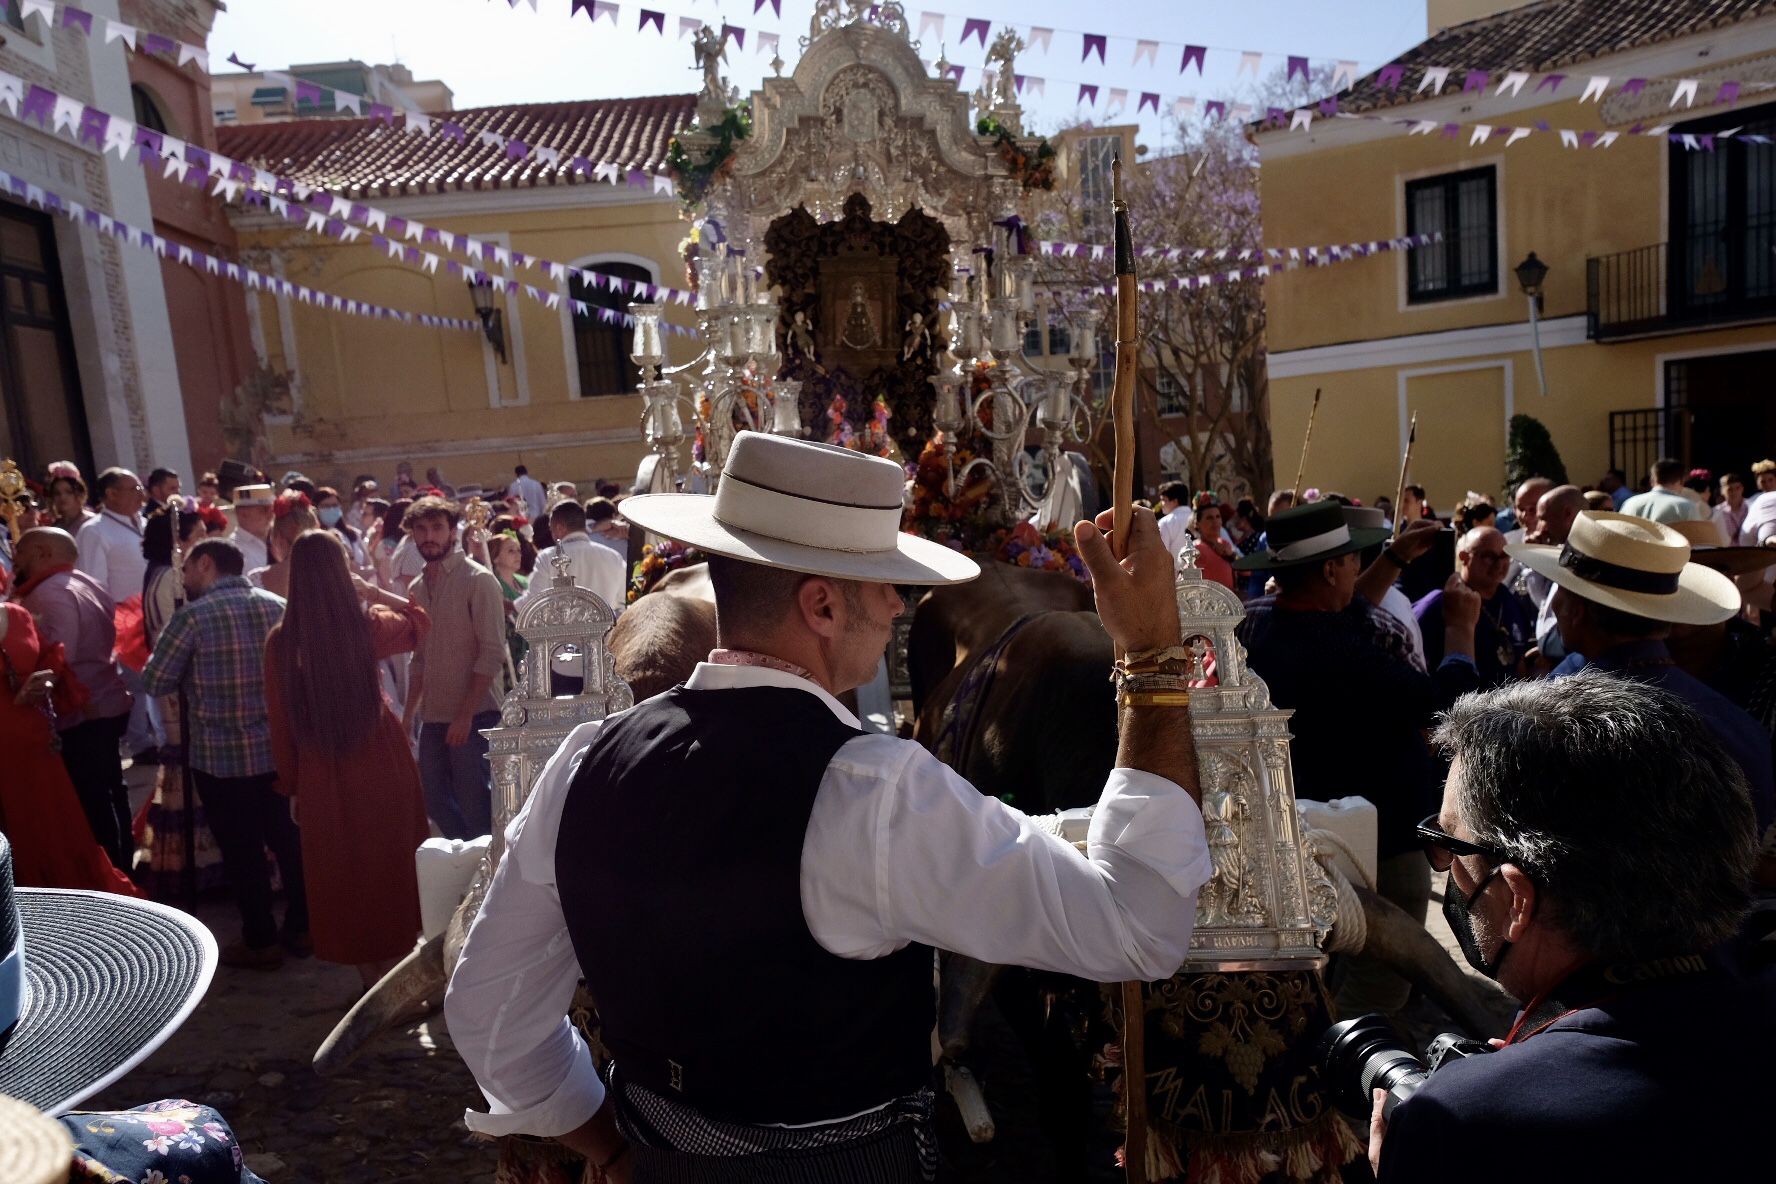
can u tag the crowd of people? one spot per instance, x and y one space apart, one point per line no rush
307 670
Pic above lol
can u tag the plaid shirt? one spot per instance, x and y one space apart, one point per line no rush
216 645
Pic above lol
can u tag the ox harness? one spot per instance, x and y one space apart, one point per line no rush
741 1049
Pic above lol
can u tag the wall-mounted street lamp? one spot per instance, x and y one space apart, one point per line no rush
1531 274
493 321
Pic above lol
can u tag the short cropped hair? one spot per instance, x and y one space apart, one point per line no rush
225 555
600 509
567 517
429 506
1666 470
159 475
1175 491
105 480
1617 800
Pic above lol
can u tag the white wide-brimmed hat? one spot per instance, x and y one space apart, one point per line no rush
253 495
1635 565
807 507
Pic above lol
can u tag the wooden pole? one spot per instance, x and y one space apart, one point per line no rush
1122 405
1405 465
1301 469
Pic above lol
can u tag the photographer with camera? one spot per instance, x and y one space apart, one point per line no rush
1597 842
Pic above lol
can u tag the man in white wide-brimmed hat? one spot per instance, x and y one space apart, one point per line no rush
752 886
1621 583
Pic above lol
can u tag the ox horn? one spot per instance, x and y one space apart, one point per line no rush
417 977
1408 949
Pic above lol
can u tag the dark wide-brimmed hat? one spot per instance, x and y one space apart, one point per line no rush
806 507
1634 565
1310 534
90 985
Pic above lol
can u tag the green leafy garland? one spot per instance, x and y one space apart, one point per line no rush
1033 167
694 178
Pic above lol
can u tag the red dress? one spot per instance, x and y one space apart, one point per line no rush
362 815
52 843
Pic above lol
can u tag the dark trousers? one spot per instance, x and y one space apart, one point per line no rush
458 782
95 766
247 815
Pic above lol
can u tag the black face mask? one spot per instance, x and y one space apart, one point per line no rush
1458 911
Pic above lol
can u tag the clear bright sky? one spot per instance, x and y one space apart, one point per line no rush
490 53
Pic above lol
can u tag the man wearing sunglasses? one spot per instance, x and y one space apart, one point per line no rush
1596 847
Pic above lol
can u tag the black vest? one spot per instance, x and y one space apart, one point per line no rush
679 866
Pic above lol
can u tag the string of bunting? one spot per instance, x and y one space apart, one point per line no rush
54 203
1335 253
1184 283
323 98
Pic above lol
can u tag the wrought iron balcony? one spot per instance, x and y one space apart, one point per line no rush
1704 281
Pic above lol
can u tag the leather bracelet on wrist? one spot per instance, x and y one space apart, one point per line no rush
1393 557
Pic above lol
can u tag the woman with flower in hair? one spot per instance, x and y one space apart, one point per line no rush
292 516
68 498
342 755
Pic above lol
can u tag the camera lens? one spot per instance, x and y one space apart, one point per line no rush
1364 1054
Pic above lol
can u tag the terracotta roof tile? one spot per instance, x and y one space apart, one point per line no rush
364 158
1550 36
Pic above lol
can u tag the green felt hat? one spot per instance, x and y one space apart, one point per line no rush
1309 534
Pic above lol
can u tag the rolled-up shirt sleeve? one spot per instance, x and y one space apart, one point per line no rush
515 980
487 607
900 848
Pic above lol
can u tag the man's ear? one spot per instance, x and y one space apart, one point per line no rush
1525 898
817 600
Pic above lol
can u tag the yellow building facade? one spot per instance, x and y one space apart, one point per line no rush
367 395
1655 316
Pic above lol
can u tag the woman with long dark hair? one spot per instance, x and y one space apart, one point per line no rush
342 756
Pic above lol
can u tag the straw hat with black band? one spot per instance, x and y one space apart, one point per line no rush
1710 548
1312 533
90 985
807 507
1636 566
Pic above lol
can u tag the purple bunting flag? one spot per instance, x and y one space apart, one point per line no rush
1193 56
1551 84
736 32
1088 93
1214 110
452 131
1634 86
234 60
1329 106
149 144
1297 65
584 6
77 18
307 92
1728 94
93 123
39 104
155 43
649 16
379 112
1276 117
1093 41
956 73
1476 81
1390 77
516 149
776 6
1147 97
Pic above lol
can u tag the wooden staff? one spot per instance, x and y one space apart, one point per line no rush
1405 464
1122 405
1301 469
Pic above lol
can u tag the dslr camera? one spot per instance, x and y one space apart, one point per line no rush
1364 1054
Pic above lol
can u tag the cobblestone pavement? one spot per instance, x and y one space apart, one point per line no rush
395 1115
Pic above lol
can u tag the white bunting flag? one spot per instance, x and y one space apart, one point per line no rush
176 166
416 122
1119 98
1302 119
1512 82
931 24
1249 61
1345 75
350 234
1433 80
278 205
1482 133
1422 127
688 25
662 184
42 8
1035 87
12 92
1040 38
472 248
376 219
606 171
1148 50
1595 88
339 207
1686 91
1569 138
767 43
1605 139
1517 133
120 137
346 101
185 255
34 195
502 257
195 53
67 113
317 221
429 263
118 31
416 231
548 156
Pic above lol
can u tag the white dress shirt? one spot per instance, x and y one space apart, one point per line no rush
596 568
254 553
1174 528
531 490
111 553
899 849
